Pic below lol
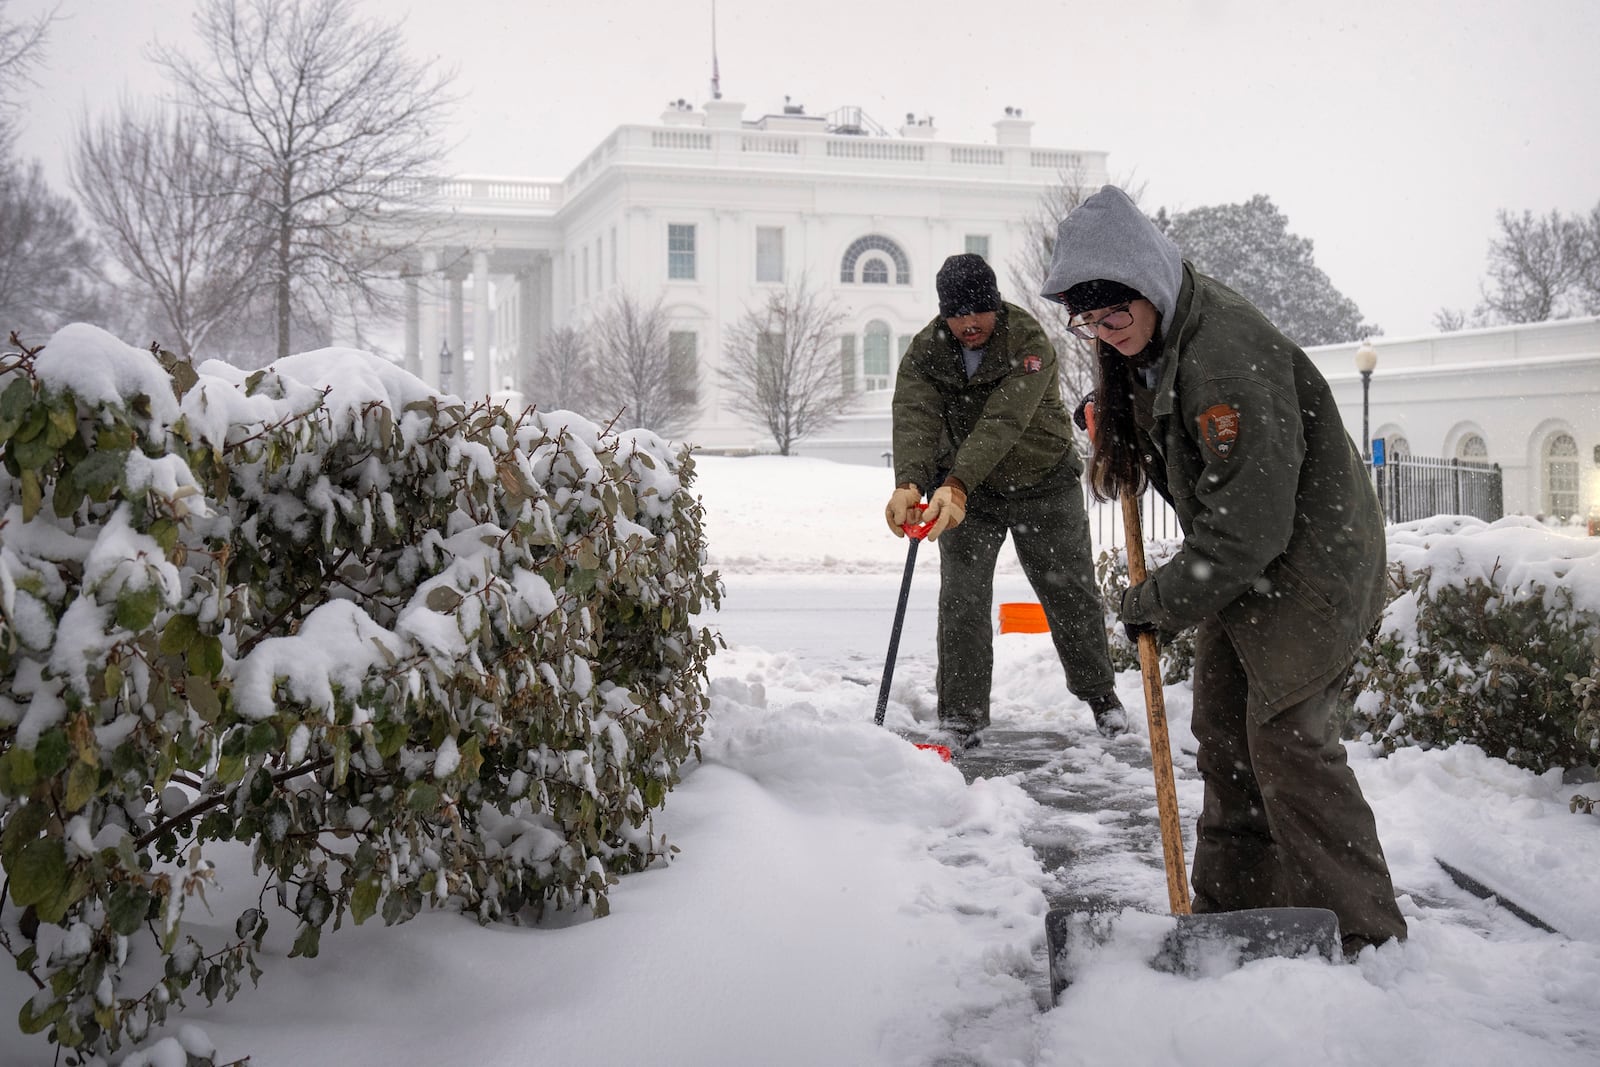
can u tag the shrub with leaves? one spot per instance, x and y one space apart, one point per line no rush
409 652
1492 637
1111 573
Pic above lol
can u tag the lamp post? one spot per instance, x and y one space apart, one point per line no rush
1366 360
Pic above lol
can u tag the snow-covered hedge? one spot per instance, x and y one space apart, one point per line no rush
1492 637
410 652
1111 573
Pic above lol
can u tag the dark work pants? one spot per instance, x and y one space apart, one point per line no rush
1284 823
1050 529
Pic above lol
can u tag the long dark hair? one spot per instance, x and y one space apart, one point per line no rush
1115 465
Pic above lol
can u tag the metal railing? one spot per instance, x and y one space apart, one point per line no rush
1409 487
1157 520
1418 487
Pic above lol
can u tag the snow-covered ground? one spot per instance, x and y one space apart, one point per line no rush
843 898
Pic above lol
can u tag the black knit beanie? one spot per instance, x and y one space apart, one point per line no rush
1100 293
966 286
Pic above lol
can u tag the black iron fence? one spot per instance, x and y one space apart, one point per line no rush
1417 487
1409 487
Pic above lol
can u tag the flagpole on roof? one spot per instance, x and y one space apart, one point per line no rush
716 77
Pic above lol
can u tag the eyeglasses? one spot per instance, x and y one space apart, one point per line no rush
1118 318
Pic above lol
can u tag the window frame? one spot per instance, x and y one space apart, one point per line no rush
676 257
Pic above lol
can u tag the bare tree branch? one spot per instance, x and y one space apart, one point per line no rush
340 126
173 208
634 368
780 365
21 50
1537 267
563 377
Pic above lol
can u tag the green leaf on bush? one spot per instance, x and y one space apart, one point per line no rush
32 453
422 797
32 494
39 871
101 471
30 1023
443 599
309 941
230 769
136 608
364 900
17 771
263 738
50 753
14 405
127 908
23 825
203 698
82 783
205 656
178 635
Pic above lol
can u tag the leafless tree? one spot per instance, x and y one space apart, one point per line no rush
21 48
563 375
1536 267
174 209
339 122
780 364
49 270
634 369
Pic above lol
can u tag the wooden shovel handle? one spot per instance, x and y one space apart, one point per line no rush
1155 706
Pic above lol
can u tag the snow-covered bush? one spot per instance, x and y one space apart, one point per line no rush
409 652
1492 637
1111 573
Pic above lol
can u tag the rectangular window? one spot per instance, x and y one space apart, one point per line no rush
769 350
978 244
847 363
683 365
769 253
613 255
586 272
680 251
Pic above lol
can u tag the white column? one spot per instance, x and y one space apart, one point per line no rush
458 339
429 335
483 382
409 350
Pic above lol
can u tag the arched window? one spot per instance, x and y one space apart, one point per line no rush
875 355
874 242
875 271
1398 445
1473 449
1561 476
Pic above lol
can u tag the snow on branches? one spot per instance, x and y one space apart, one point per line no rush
410 652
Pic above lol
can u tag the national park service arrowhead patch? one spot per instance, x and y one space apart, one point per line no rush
1219 428
1031 364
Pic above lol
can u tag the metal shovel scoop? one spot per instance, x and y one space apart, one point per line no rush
1197 943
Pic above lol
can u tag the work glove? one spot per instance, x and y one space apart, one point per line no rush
1134 629
902 508
1084 413
945 510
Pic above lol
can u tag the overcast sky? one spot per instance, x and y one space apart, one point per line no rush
1388 132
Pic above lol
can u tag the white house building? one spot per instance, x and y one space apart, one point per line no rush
711 211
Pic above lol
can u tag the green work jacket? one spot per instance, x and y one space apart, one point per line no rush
1283 537
1004 428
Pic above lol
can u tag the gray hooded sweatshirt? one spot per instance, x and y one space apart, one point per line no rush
1283 538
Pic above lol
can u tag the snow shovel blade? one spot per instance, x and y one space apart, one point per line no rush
1195 945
